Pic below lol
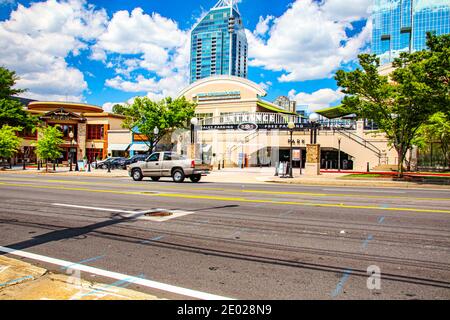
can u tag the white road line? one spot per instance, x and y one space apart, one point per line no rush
115 275
97 208
367 191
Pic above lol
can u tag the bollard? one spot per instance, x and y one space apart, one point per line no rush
219 166
368 167
39 165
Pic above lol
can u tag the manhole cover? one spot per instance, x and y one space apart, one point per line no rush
159 213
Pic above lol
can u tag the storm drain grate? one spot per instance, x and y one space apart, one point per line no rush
158 213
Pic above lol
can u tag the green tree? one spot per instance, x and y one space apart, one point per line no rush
144 115
47 145
12 111
401 103
9 141
436 130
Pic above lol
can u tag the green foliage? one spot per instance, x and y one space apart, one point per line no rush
9 141
166 115
401 104
12 112
47 145
7 81
436 130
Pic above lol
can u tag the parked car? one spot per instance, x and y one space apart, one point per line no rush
168 164
113 162
136 158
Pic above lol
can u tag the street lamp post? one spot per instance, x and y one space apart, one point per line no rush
155 134
194 123
339 154
313 118
70 151
23 158
90 158
291 126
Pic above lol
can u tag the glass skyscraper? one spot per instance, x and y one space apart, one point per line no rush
218 43
401 25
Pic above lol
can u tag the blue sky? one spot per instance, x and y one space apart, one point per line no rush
105 52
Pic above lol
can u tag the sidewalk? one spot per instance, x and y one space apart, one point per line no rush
23 281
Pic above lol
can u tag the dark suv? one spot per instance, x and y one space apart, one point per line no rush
136 158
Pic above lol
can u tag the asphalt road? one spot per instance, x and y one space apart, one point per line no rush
240 241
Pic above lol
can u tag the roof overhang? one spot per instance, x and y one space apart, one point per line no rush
334 112
273 107
224 80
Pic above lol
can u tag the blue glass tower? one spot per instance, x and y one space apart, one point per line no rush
401 25
218 43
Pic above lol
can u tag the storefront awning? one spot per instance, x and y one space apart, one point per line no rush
118 147
139 147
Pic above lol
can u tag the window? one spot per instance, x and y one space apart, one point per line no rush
95 131
67 129
154 157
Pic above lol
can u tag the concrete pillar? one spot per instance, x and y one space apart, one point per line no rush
81 140
312 166
360 128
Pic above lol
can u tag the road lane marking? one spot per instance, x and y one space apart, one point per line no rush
115 275
375 191
96 208
380 220
234 199
341 195
312 194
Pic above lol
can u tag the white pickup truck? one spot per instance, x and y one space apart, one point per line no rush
168 164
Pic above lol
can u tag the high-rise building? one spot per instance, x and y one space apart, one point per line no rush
218 43
401 25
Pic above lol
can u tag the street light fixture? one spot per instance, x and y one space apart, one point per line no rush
194 123
291 126
71 135
155 133
313 118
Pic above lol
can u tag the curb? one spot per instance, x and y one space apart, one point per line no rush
362 183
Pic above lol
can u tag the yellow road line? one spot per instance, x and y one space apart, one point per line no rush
341 195
218 198
312 194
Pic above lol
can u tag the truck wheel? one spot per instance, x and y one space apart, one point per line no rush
155 178
137 175
178 176
195 178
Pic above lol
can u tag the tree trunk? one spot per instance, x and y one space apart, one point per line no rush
46 165
400 163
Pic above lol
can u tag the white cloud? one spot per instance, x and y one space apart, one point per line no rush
343 10
266 85
319 99
309 41
263 25
162 51
36 40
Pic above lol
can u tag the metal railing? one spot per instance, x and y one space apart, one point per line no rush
365 143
